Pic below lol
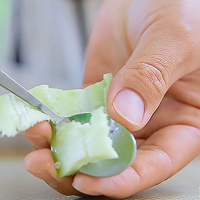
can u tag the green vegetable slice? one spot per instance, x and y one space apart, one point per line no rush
75 146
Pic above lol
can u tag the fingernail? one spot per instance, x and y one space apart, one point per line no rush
130 106
77 183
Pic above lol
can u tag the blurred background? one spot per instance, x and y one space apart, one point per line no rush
43 42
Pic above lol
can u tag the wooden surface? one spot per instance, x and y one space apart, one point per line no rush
18 184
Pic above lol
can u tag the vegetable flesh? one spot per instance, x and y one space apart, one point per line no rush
17 116
89 142
73 144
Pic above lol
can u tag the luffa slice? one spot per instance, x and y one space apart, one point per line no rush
73 144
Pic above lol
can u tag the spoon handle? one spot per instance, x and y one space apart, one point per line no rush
14 87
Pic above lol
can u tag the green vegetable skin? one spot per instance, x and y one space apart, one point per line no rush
73 144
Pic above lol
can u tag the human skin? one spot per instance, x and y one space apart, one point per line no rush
153 50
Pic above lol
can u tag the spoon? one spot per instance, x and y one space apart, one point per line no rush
123 141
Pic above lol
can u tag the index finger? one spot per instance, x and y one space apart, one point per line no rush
39 135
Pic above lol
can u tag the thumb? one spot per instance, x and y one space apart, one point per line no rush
139 87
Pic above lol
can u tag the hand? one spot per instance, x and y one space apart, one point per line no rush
153 49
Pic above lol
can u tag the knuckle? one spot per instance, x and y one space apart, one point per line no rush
154 76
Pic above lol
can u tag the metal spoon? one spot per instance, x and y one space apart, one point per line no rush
123 141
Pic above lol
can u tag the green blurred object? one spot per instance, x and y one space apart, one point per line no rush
6 8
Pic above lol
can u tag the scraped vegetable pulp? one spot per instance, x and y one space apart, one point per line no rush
73 144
